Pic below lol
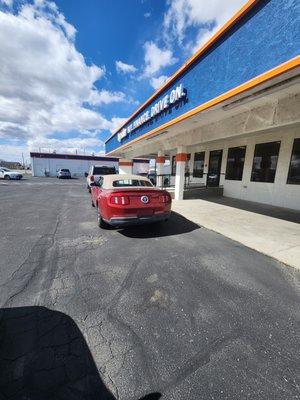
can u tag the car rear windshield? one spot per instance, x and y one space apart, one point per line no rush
65 170
131 182
104 171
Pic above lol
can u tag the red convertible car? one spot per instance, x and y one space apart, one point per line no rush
129 200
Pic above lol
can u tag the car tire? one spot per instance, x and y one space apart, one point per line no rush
7 177
93 205
101 223
89 189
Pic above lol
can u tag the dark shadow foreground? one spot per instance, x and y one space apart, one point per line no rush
176 225
43 356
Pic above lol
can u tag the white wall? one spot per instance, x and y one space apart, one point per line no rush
140 168
76 167
278 193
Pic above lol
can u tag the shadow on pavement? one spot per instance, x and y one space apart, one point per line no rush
259 208
43 356
176 225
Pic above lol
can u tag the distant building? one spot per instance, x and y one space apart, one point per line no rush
11 164
49 163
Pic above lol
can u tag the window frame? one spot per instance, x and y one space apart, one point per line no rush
290 164
227 172
194 169
129 185
252 169
173 166
104 170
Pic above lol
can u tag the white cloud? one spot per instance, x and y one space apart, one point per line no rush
208 16
8 3
156 58
105 97
87 145
45 84
79 145
147 15
117 122
13 153
125 68
157 82
202 37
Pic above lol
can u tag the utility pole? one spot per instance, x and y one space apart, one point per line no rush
23 161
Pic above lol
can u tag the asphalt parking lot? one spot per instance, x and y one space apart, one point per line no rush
175 310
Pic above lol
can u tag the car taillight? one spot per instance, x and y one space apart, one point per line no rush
92 178
165 198
120 200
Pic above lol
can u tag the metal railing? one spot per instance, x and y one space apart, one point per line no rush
165 180
162 181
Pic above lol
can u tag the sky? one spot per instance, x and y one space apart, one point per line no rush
72 71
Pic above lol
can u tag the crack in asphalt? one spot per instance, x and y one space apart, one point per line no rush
201 359
38 263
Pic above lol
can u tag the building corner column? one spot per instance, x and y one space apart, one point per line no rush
125 166
160 162
181 159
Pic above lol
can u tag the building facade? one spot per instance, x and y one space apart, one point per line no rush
230 116
49 164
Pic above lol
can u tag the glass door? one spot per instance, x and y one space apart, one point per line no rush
214 168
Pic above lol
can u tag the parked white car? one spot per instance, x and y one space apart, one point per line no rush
96 171
8 174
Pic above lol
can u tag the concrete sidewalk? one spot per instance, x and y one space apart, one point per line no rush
274 237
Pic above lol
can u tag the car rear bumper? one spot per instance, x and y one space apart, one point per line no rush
126 221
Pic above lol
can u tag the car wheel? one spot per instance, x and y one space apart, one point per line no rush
101 223
93 205
7 177
89 189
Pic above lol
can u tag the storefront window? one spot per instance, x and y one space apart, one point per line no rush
294 171
265 162
198 165
235 163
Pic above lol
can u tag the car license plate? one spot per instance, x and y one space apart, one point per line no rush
145 213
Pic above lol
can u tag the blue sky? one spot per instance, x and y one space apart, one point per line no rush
72 71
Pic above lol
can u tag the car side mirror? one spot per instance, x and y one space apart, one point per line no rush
86 174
